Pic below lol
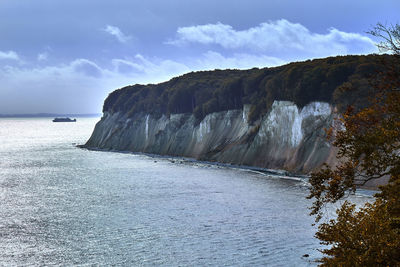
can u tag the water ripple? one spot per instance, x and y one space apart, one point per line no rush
65 206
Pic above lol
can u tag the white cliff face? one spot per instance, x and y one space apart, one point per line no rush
245 113
316 109
147 127
204 128
286 138
284 123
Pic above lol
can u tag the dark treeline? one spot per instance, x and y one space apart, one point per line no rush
205 92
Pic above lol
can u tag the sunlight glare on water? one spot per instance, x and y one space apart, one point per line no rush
61 205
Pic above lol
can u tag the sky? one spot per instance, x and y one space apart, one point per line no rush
66 56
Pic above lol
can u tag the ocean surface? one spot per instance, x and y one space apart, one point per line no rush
62 205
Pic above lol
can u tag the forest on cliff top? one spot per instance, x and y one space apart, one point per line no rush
205 92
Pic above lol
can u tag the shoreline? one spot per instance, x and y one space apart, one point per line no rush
282 174
174 159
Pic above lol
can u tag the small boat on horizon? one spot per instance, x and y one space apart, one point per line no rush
63 120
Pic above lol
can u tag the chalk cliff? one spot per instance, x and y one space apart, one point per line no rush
285 138
271 117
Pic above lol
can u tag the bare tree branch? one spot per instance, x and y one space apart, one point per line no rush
390 35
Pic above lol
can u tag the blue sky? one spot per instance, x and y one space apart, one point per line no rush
67 56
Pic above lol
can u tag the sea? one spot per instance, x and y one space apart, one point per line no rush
61 205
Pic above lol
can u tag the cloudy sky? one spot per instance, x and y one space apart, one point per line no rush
66 56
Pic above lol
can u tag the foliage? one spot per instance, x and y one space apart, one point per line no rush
368 237
369 145
368 142
205 92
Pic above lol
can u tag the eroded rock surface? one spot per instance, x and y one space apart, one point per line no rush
285 138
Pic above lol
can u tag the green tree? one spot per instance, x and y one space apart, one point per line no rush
368 142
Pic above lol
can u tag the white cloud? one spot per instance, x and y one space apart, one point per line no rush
117 33
77 87
82 85
10 55
126 66
213 60
161 67
43 56
141 69
86 67
279 36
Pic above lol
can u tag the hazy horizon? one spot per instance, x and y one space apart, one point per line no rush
67 56
46 114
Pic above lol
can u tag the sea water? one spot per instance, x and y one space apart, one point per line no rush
62 205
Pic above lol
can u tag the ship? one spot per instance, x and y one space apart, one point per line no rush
63 120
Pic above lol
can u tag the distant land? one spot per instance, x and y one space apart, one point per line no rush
45 115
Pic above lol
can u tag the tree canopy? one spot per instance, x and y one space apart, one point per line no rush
205 92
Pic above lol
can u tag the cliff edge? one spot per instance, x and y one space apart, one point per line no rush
271 118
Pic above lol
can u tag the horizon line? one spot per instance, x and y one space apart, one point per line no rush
45 114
